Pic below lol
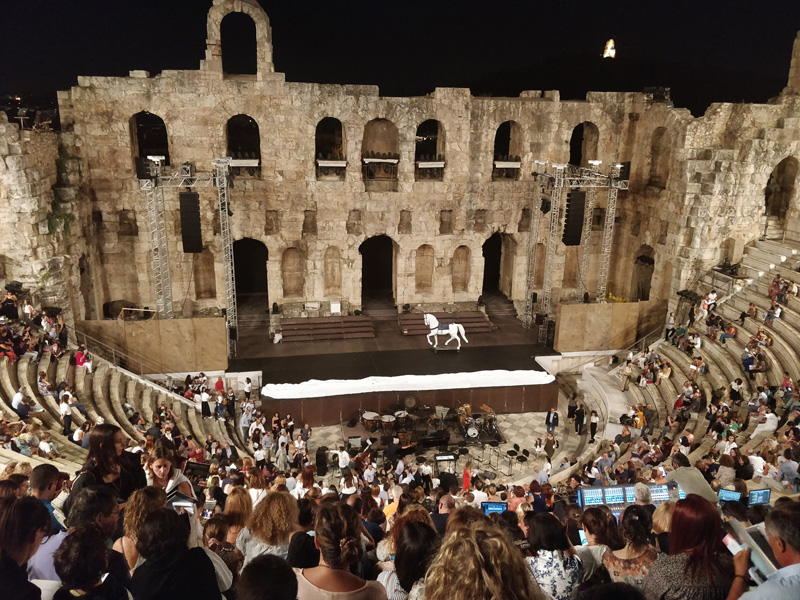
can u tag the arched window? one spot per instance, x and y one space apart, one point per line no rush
380 156
781 187
244 143
149 136
423 269
429 151
507 151
583 144
293 273
239 48
461 269
329 149
659 158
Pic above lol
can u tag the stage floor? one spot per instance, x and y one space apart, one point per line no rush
391 354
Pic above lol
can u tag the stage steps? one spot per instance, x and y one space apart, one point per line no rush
326 328
473 322
497 305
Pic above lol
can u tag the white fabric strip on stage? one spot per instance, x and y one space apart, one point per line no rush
404 383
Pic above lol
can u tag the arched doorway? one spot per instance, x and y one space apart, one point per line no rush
780 191
250 269
492 256
643 265
583 144
377 273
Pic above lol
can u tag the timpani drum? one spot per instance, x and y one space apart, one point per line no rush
402 420
370 421
387 424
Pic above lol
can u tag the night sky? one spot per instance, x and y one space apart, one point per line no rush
705 50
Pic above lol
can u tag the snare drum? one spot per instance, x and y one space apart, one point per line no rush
370 421
387 423
472 432
403 419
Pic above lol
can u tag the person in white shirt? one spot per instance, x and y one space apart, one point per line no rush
344 458
369 473
757 462
401 465
17 399
479 494
769 425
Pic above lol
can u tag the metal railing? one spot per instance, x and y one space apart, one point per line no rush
129 361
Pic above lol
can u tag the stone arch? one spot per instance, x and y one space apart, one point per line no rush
329 141
660 154
332 271
781 188
380 152
423 269
244 140
263 34
293 273
508 148
429 148
149 136
642 275
250 259
583 144
460 268
237 34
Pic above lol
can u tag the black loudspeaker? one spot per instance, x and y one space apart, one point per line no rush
144 168
534 297
233 332
625 171
586 297
540 318
190 222
546 205
551 333
573 223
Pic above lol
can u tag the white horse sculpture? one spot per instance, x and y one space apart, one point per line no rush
451 329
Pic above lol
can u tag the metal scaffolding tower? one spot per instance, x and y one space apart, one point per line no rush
157 228
533 239
556 179
188 178
221 166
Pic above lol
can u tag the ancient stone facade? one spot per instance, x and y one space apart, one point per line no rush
695 184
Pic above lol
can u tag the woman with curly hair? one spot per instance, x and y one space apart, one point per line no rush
337 536
479 562
270 528
238 509
141 503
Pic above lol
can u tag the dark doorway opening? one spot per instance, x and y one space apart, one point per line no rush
492 254
250 269
377 272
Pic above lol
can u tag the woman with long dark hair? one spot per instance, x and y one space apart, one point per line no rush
698 566
602 533
23 524
108 464
632 563
554 564
416 547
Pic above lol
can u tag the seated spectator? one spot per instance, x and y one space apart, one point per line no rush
477 561
554 563
267 577
215 533
632 563
81 563
141 503
171 570
271 525
336 530
303 553
416 547
24 522
783 533
662 525
602 533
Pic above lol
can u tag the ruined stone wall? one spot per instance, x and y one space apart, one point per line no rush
695 183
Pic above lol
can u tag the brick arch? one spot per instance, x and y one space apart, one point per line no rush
222 8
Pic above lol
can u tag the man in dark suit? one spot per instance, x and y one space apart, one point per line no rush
551 420
230 452
580 416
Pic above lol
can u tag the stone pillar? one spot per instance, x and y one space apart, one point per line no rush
793 84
